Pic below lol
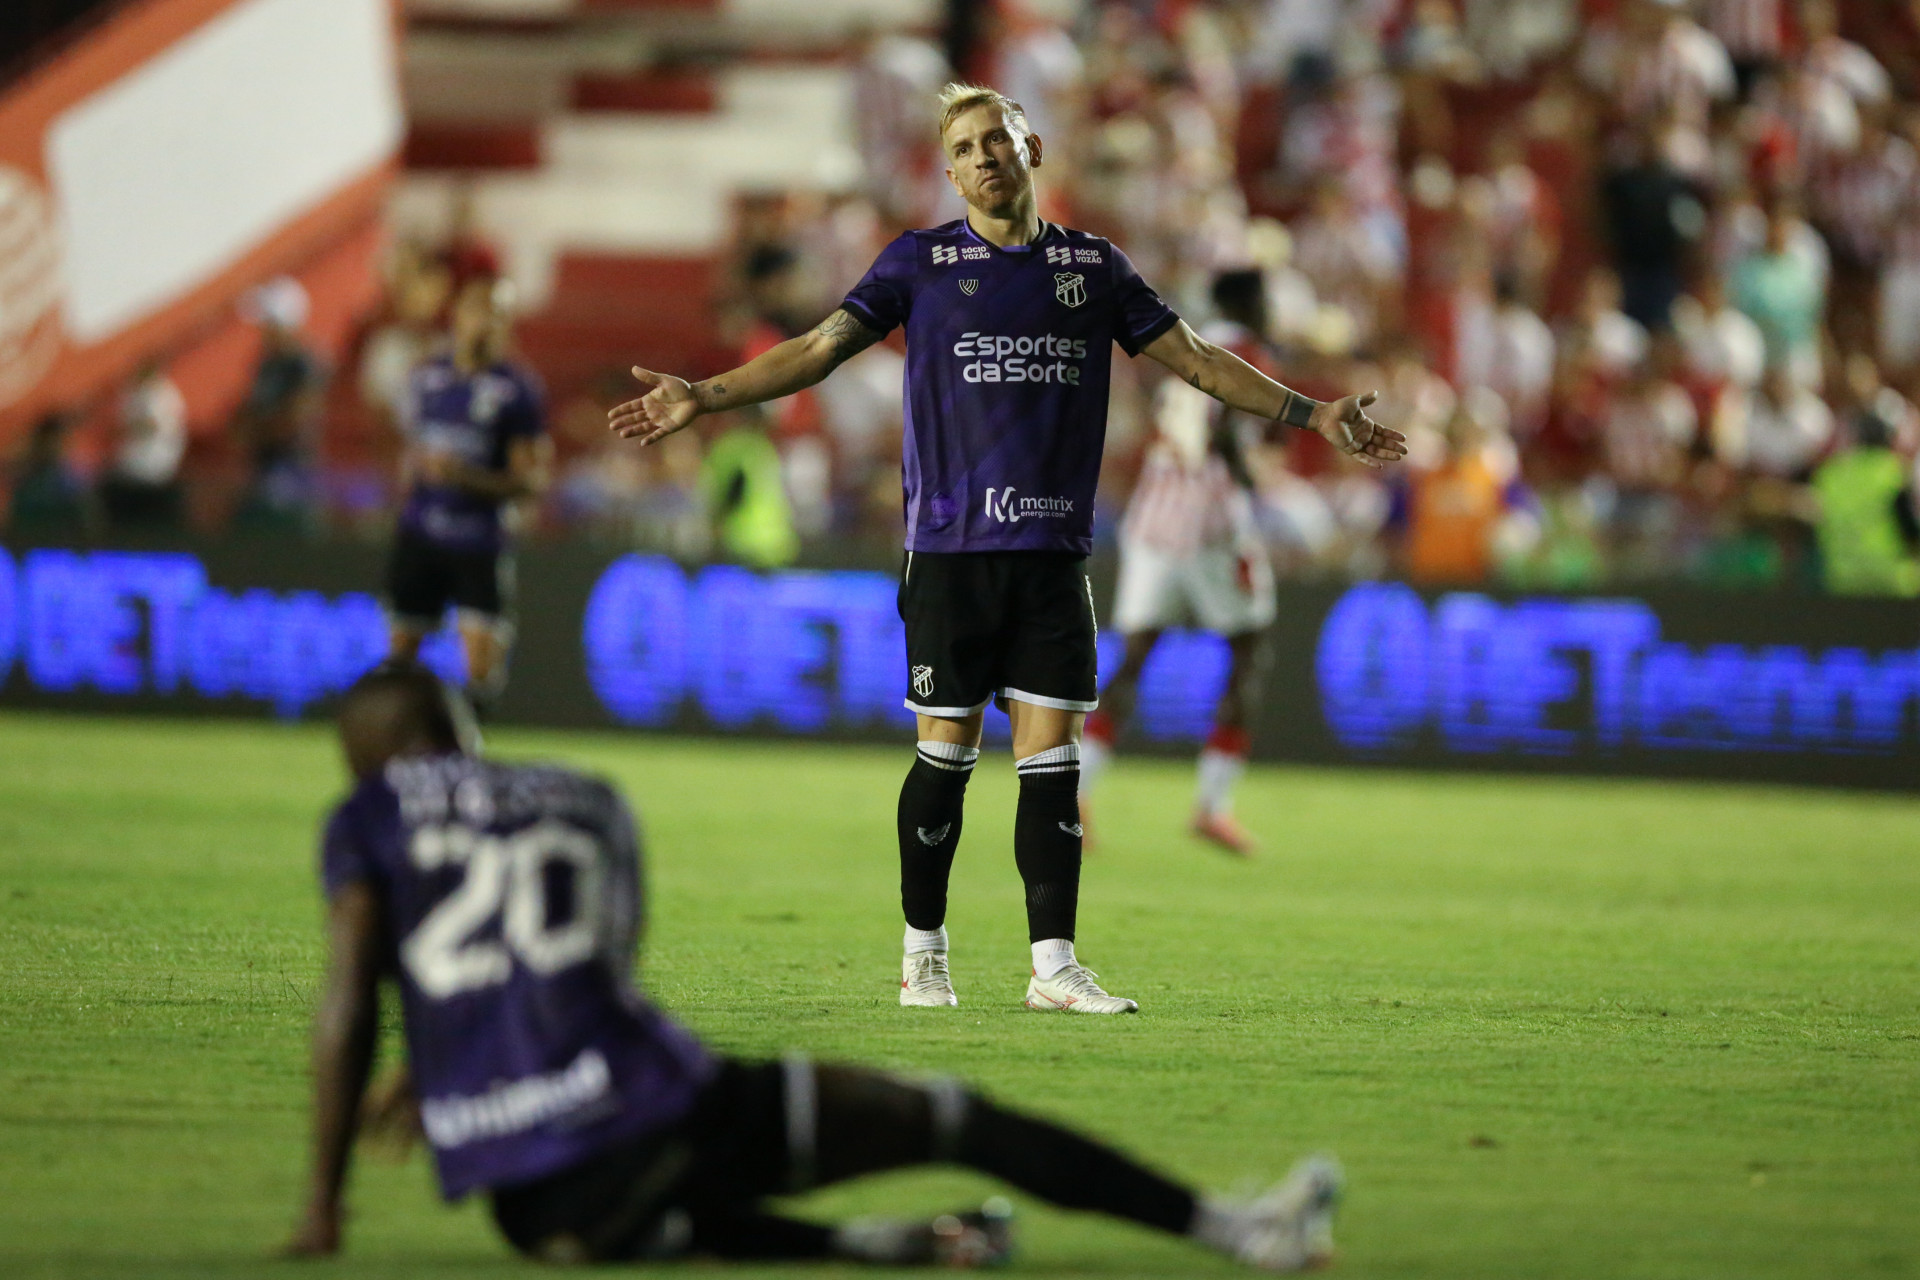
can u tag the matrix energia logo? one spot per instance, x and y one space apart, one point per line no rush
29 284
1002 505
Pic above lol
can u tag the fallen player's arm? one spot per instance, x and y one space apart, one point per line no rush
794 365
529 460
344 1031
1223 375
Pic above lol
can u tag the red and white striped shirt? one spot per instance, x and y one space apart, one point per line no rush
1750 29
1860 196
1187 498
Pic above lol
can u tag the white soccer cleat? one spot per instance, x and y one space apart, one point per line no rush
924 983
1290 1227
1073 990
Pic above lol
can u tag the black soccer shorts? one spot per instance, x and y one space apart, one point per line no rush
637 1199
1009 624
423 579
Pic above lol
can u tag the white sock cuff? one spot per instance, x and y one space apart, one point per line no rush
1218 1224
1051 955
1064 759
949 755
918 940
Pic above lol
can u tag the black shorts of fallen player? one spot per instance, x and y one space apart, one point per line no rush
638 1199
425 579
1012 625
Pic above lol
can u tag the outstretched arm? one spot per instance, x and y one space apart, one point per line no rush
794 365
344 1028
1238 385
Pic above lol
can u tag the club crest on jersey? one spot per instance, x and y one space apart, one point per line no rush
923 682
969 286
1070 287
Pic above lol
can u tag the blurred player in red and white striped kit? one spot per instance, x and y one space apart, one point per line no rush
1190 553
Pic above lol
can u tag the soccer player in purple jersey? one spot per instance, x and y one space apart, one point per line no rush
505 901
476 443
1010 326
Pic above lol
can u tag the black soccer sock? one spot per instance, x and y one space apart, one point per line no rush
1065 1169
1046 840
870 1122
931 800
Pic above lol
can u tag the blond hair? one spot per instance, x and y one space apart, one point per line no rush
958 99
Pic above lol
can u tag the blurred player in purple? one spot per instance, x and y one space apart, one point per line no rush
1010 326
1191 554
476 444
506 902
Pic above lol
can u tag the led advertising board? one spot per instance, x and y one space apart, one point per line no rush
1775 686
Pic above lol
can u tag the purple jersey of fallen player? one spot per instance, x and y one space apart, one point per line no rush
475 417
1008 355
511 903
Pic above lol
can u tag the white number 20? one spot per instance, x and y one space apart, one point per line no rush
503 873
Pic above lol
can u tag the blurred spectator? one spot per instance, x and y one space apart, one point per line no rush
1867 526
1039 67
1898 328
1652 62
1783 290
1867 396
48 500
1348 263
1753 32
1520 367
1454 510
278 421
1648 429
599 486
141 486
1779 429
671 511
1523 218
894 86
1653 216
1833 58
1723 347
1600 338
744 493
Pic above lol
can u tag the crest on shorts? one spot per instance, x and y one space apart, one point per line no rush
923 682
1070 287
968 286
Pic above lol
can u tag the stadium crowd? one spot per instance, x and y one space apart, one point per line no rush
1639 279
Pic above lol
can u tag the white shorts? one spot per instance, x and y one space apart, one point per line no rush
1218 589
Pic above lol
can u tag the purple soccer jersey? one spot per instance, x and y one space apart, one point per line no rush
511 899
474 417
1008 355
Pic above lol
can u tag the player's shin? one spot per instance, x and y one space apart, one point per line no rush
1046 845
931 802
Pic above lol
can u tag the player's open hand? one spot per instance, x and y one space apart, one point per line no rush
1345 425
663 410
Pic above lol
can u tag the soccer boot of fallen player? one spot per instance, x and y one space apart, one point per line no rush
1223 831
962 1241
1289 1227
1073 990
924 981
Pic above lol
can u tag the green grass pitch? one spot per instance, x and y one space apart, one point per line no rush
1554 1028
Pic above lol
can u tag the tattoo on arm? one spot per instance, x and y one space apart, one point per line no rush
846 336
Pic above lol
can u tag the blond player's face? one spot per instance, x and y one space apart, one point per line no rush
990 163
